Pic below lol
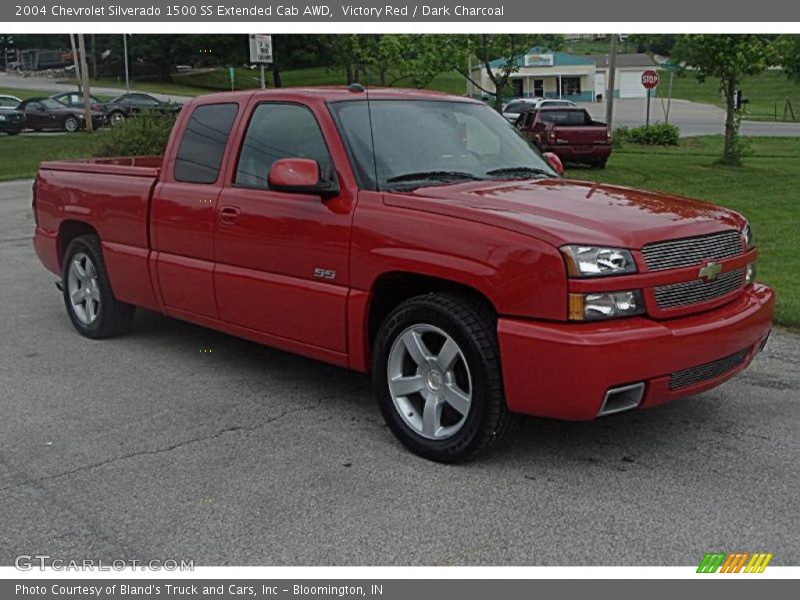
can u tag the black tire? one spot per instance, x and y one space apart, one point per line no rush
473 326
600 163
71 124
113 317
115 118
13 132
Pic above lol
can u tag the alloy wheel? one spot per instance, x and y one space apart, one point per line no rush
429 381
83 288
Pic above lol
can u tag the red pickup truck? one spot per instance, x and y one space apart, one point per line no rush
418 237
569 133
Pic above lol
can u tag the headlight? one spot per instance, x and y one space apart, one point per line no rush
605 305
749 238
750 274
591 261
2 117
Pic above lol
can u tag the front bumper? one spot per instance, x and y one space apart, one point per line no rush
12 126
564 370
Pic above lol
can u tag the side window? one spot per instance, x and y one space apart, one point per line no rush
203 144
144 100
279 131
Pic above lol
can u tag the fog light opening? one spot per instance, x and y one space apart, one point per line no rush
622 398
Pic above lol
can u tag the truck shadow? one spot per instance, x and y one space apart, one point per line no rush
619 442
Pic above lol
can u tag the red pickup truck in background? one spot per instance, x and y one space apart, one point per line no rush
569 133
415 236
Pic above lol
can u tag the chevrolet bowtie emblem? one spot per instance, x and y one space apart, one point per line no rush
710 271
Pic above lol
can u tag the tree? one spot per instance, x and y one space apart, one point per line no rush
727 58
508 49
658 43
788 51
409 59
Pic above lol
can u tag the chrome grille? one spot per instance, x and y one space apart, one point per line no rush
691 251
696 291
692 375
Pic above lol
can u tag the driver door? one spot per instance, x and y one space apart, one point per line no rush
37 116
282 259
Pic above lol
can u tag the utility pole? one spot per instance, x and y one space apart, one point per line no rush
75 60
87 108
612 73
125 52
94 58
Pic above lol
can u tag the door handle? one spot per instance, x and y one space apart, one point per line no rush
228 215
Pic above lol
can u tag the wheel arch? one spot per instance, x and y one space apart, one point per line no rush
392 288
68 230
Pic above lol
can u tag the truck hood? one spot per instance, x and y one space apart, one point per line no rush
561 211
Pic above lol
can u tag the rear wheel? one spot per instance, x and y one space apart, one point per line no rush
600 163
71 124
91 305
437 377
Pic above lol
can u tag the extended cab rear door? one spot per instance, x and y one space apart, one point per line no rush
184 209
282 259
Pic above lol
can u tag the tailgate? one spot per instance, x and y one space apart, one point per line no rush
580 135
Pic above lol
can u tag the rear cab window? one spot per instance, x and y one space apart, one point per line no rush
566 117
203 144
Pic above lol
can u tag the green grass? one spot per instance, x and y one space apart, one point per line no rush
195 84
20 155
765 190
25 94
767 93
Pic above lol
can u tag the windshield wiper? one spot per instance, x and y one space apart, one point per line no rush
434 175
520 170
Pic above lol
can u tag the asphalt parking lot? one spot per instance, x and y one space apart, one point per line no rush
179 442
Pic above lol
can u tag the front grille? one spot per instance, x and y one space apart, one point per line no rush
685 252
700 373
676 295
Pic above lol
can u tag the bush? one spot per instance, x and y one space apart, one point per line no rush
145 134
659 134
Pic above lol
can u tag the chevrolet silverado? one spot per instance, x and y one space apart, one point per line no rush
416 236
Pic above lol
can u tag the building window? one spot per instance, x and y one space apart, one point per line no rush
570 86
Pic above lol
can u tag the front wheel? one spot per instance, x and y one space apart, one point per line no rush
437 377
71 124
91 305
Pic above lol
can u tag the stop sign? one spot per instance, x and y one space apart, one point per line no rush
649 79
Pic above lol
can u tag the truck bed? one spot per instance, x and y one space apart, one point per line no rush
143 166
112 196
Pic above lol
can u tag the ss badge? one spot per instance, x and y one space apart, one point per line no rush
321 273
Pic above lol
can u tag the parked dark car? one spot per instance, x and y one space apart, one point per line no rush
9 101
12 121
115 113
126 105
46 113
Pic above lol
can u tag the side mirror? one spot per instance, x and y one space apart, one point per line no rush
555 162
300 176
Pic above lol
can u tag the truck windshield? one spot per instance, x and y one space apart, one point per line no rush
433 142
